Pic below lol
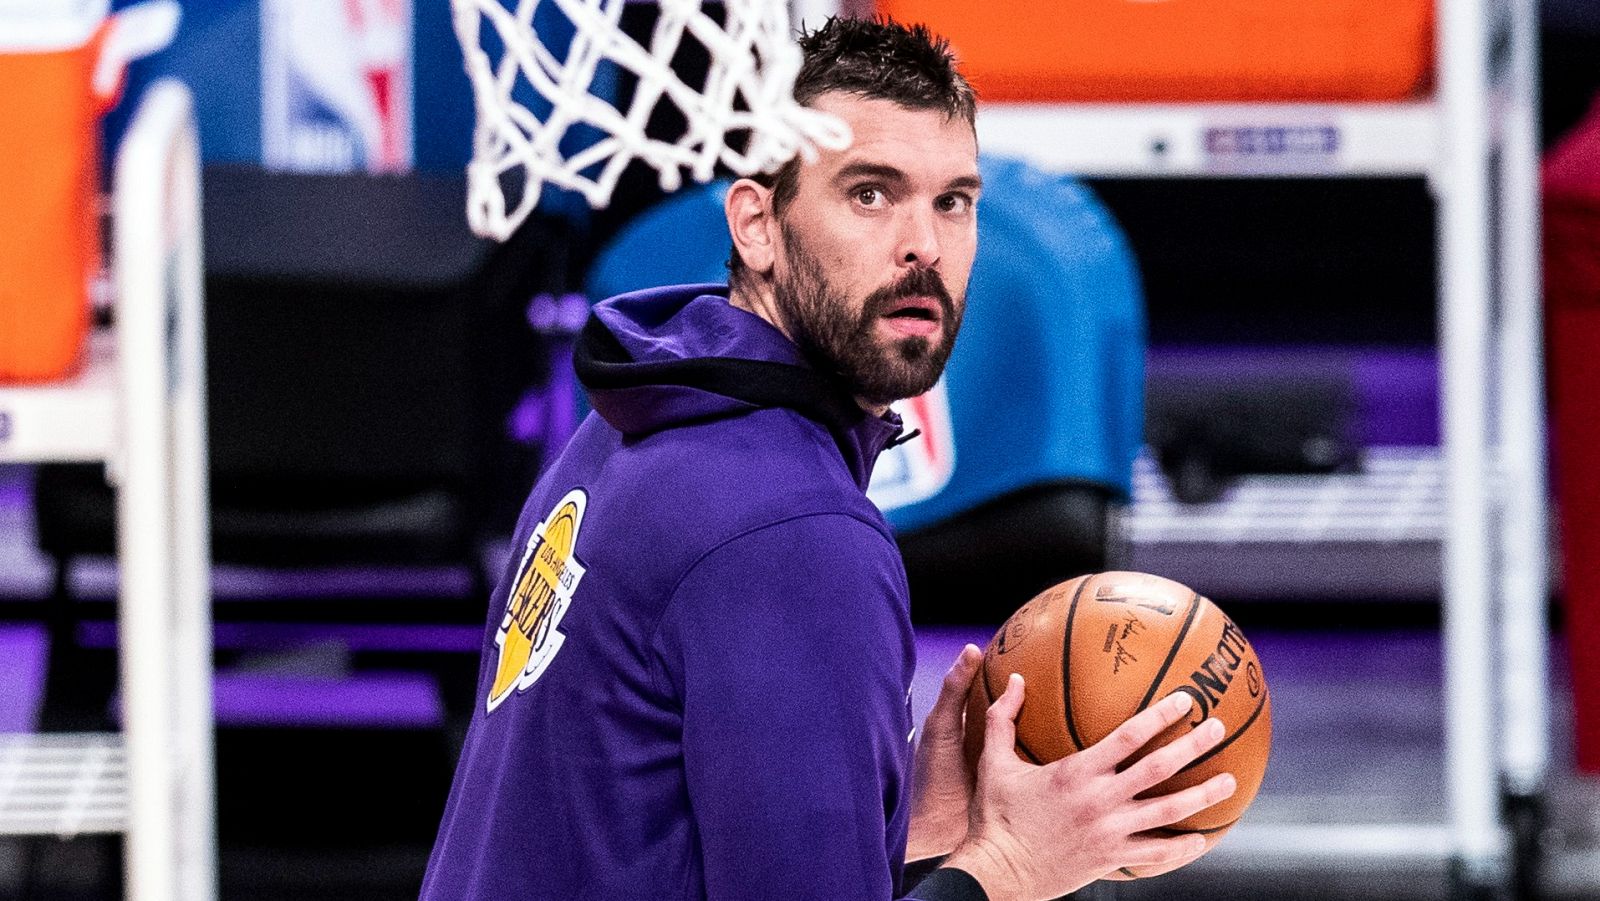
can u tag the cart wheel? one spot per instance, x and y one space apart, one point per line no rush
1477 883
1528 818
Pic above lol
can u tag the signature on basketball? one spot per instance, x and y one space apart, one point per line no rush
1115 636
1122 657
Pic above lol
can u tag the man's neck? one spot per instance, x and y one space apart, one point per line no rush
763 302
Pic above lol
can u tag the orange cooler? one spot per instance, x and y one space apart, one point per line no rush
1185 50
49 245
61 68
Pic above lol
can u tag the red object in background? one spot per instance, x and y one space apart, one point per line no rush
1572 324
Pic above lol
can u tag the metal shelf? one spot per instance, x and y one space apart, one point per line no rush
1412 843
1398 496
74 420
1257 139
63 784
1368 535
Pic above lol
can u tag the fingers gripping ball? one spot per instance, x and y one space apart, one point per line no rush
1098 649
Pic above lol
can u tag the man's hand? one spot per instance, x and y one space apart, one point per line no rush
941 786
1044 831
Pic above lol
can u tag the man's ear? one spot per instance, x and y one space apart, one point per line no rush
748 207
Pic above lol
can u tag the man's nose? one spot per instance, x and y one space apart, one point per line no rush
919 240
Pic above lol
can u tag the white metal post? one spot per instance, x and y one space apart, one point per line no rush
164 609
1461 186
192 541
1524 536
812 13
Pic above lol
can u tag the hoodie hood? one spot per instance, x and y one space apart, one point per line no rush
665 357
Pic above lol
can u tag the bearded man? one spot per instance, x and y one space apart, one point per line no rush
696 674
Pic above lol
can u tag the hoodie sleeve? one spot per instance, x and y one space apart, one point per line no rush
790 650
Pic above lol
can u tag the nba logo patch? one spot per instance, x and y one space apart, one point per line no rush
336 85
547 575
919 469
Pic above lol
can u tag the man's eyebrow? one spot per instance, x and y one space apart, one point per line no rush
885 172
966 182
880 171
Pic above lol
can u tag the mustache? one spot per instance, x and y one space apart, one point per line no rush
916 283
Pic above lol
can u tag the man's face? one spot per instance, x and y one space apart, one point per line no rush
871 279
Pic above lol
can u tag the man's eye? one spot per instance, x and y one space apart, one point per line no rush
868 196
954 203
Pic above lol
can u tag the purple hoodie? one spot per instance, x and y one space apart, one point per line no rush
696 674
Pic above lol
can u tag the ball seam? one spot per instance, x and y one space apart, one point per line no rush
1066 666
1218 749
1172 653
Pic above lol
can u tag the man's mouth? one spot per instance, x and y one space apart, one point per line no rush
914 316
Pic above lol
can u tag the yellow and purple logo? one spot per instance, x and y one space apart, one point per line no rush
546 578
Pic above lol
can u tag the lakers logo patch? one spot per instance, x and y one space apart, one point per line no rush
540 594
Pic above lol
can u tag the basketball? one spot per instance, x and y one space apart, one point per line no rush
1098 649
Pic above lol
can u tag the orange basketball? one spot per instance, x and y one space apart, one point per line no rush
1098 649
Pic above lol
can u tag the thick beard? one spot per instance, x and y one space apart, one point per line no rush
819 320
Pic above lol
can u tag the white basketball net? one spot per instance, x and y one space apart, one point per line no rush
754 61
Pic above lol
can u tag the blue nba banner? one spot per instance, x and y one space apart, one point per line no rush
336 85
917 470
